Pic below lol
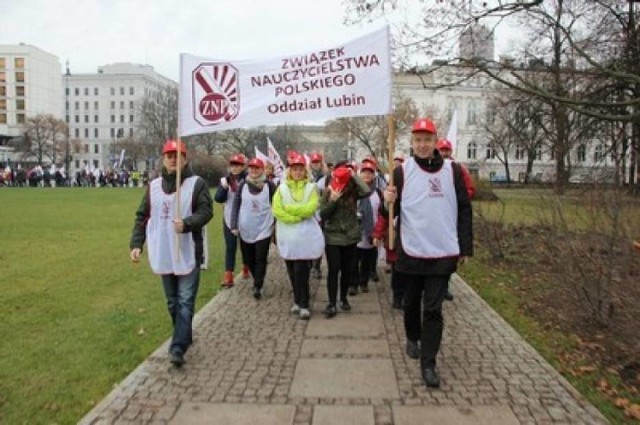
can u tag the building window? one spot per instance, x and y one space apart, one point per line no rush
3 90
20 104
96 148
122 104
95 91
582 153
86 119
451 109
3 77
130 118
472 112
598 153
86 148
472 150
131 91
77 104
19 62
67 119
77 133
131 132
96 105
491 152
86 91
538 154
121 118
96 118
77 164
113 91
522 177
491 114
113 133
77 118
95 164
95 133
86 106
121 91
20 118
492 175
131 104
113 105
113 118
519 152
19 77
3 104
77 91
19 90
3 118
2 63
66 91
86 133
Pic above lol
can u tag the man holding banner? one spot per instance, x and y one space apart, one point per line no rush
175 245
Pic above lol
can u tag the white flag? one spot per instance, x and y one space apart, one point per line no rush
350 79
452 134
260 155
274 158
121 158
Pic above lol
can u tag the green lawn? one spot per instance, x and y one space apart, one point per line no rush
77 315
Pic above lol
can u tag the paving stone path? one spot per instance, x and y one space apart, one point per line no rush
254 363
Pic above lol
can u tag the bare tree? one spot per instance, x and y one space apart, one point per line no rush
158 119
43 137
373 131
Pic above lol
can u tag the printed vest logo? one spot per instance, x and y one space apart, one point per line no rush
216 93
435 187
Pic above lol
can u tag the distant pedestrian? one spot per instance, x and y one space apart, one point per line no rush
318 173
252 221
299 237
176 259
225 194
435 234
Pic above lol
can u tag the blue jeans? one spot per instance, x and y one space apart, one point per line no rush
231 246
181 292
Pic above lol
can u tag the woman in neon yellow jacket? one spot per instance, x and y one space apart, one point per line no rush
298 234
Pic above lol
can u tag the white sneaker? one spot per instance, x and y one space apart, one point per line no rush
295 309
305 313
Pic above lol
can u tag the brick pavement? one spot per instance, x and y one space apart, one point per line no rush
253 362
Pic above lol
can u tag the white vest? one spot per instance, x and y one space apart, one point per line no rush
228 206
374 199
255 219
161 237
303 240
429 212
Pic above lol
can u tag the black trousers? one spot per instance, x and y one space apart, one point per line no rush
339 263
398 283
364 265
255 254
298 271
427 292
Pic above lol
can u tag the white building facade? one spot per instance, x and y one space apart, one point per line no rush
30 84
103 107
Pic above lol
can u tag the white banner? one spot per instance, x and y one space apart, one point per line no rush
274 158
351 79
452 134
261 156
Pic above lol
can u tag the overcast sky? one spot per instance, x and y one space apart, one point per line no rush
91 33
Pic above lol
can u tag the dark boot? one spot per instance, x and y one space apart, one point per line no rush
431 378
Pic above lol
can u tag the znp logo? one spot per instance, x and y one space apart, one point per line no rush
216 93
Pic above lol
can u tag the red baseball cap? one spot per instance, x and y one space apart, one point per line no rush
237 159
256 162
294 158
424 125
316 157
172 146
368 165
339 178
444 144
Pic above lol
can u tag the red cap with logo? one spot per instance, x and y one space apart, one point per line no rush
339 178
172 146
294 158
444 144
368 165
316 157
237 159
256 162
424 125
